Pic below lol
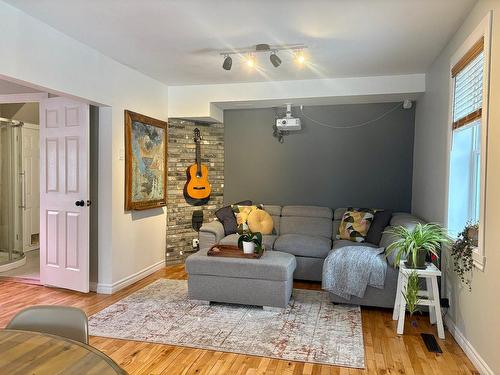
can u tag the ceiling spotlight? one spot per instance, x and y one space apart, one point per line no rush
300 58
228 62
251 61
275 60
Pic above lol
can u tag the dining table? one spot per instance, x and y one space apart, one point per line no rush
26 352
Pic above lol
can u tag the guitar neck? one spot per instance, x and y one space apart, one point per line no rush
198 156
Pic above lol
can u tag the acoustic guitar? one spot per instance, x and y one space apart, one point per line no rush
197 185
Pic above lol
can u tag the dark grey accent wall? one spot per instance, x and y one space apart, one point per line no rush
370 166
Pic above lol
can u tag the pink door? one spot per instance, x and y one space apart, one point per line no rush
64 194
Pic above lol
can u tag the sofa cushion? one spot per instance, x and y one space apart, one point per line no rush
303 245
275 212
405 220
386 240
273 265
227 218
312 226
338 213
271 209
335 228
307 211
337 244
267 240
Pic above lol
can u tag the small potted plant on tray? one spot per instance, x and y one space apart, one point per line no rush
415 244
250 242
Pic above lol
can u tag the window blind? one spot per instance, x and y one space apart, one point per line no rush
468 90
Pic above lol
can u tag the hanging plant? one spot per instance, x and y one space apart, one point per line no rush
461 252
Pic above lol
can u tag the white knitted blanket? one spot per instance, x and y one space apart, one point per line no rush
347 271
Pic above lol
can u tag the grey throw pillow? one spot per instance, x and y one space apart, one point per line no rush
227 218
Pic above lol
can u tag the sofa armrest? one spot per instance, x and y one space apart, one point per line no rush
210 234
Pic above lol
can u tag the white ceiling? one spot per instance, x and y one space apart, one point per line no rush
178 42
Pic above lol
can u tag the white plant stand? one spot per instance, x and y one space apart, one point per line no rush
430 296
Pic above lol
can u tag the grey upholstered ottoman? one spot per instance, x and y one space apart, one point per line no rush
267 281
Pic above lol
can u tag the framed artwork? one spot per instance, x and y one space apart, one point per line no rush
145 162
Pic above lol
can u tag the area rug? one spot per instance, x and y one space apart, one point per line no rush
311 329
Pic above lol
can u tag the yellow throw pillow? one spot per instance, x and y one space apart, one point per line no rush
241 213
355 224
260 221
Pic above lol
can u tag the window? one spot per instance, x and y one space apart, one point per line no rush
468 126
464 197
465 158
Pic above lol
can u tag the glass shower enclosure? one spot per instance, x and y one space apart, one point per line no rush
11 195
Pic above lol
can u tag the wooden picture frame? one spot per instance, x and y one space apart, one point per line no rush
146 142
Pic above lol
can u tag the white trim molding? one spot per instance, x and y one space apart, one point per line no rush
24 98
467 347
102 288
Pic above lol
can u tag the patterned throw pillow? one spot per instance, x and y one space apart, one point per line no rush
355 224
241 213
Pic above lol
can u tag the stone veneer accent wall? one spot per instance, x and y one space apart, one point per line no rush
181 154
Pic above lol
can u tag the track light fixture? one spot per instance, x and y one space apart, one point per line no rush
250 59
228 62
275 60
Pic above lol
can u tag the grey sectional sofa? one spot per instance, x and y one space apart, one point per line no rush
308 233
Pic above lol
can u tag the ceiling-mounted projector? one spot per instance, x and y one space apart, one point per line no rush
288 123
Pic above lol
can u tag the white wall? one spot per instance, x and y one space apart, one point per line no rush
475 315
197 101
36 53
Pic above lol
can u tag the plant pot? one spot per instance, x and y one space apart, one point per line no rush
248 247
473 234
421 254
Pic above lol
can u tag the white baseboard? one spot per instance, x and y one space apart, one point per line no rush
102 288
467 347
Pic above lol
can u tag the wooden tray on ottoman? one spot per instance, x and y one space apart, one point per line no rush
231 251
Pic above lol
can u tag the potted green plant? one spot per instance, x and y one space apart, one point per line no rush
410 293
250 242
461 252
414 244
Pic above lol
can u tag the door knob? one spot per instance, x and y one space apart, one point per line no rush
80 203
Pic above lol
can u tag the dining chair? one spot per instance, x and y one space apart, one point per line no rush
64 321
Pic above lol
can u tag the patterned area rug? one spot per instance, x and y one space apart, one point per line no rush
311 329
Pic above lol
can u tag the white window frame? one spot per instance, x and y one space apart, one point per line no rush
482 30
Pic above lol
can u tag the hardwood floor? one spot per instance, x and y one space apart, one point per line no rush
386 352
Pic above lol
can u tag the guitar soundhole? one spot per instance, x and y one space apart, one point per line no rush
198 174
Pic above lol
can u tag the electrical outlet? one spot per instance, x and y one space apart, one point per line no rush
196 243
